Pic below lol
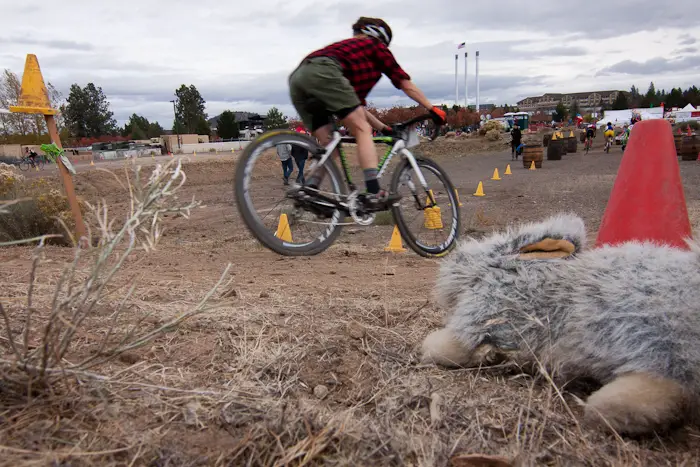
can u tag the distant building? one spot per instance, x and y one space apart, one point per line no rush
245 120
587 101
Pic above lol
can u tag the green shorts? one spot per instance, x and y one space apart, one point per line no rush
319 90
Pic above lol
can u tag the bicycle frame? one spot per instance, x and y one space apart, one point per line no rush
398 146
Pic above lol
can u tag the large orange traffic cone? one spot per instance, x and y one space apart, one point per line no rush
647 201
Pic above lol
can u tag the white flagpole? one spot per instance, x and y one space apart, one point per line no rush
477 81
456 85
466 89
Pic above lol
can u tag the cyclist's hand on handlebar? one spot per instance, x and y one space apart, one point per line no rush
439 115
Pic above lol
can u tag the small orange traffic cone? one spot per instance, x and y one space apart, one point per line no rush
395 244
284 232
508 172
480 190
532 166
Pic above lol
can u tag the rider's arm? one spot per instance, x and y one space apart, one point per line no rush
416 94
375 122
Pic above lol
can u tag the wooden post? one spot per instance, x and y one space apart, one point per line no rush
34 99
67 181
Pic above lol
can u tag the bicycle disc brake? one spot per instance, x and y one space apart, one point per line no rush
362 218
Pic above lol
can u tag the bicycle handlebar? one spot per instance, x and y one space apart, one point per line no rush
421 118
398 128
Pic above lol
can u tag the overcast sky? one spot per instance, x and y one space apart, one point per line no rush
239 53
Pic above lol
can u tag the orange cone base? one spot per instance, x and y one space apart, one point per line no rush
647 202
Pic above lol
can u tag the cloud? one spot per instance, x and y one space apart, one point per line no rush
658 65
240 58
687 39
49 44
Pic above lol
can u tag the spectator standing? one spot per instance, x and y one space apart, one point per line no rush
284 152
516 136
300 155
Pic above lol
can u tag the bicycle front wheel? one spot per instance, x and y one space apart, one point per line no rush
24 166
261 188
430 231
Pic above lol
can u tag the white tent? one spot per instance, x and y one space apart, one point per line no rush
688 108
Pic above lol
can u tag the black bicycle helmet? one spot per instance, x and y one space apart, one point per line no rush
373 27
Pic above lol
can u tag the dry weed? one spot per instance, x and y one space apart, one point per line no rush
51 343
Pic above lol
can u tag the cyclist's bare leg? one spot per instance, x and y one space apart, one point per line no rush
323 135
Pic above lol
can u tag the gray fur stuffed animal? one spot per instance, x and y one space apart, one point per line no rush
627 316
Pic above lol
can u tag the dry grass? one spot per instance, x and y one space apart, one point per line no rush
286 371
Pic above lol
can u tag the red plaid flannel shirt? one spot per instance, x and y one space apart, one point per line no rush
364 60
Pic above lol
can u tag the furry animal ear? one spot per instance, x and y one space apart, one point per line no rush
549 248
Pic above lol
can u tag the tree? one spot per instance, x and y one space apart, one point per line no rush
135 121
620 102
561 113
154 130
189 110
227 128
275 119
650 98
137 132
635 98
575 109
203 127
87 112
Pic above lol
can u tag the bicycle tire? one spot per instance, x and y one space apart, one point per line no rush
250 219
24 166
406 234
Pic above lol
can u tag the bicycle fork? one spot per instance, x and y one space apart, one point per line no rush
429 195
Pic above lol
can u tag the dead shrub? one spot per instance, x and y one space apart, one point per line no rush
493 135
46 340
39 208
490 125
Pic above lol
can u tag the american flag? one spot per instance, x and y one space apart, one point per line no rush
462 45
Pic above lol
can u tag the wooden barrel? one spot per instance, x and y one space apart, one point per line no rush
546 139
533 153
564 146
572 144
554 150
689 148
678 141
582 137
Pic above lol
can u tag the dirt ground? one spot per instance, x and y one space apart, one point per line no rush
313 361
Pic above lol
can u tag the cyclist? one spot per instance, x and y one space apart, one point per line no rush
339 77
609 134
31 155
590 134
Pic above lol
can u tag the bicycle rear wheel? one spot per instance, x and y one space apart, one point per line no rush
263 203
24 166
418 223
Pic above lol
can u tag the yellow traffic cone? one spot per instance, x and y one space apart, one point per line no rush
532 166
571 135
233 150
194 152
284 232
459 203
92 162
508 172
495 175
480 190
433 220
395 244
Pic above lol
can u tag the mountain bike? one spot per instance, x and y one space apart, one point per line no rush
334 201
608 143
27 162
